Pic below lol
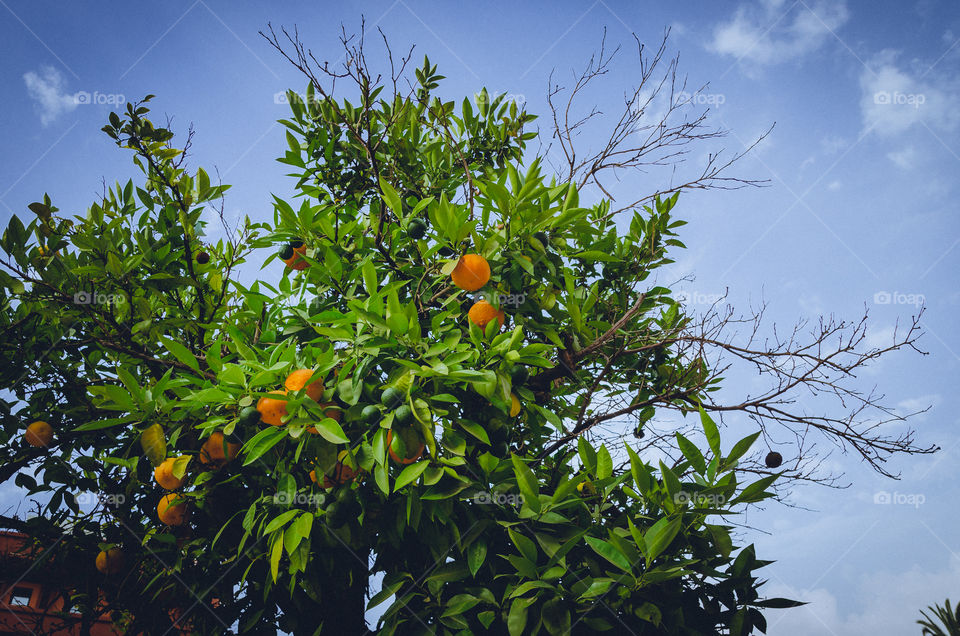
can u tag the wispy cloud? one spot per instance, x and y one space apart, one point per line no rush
904 159
894 99
48 88
892 601
773 31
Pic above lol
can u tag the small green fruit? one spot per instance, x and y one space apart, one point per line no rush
249 416
391 397
370 413
403 415
416 229
286 252
519 375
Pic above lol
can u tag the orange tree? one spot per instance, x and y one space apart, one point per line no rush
258 451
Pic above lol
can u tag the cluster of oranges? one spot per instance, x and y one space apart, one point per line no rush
472 273
273 410
215 452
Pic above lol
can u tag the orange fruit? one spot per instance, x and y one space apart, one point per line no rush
410 439
342 473
110 561
272 411
164 476
296 261
471 273
211 453
170 512
483 312
38 434
296 380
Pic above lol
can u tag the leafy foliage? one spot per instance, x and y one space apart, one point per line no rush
497 528
944 622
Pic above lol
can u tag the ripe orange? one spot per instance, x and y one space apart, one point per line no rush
165 477
483 312
272 411
296 261
110 561
170 512
38 434
471 273
410 440
296 380
211 453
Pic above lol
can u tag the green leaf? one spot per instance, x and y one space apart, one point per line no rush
275 555
609 552
710 429
740 448
410 474
604 463
232 374
331 431
587 455
556 617
527 482
517 618
692 453
262 442
525 544
721 538
388 590
280 520
476 430
650 613
391 198
659 536
181 353
756 491
369 271
476 554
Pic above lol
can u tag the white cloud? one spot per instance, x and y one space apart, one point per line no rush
904 158
891 604
914 405
772 32
48 88
833 144
833 186
894 99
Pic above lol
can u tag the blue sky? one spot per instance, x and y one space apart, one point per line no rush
862 164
